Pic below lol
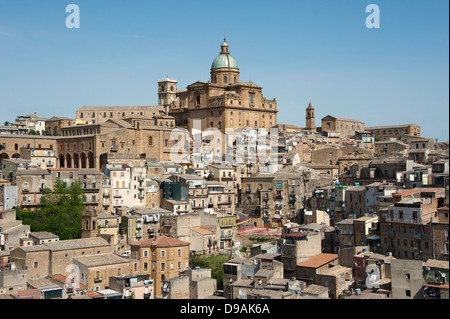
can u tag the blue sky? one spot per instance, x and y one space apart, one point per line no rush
298 51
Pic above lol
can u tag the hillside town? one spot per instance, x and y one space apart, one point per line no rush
333 209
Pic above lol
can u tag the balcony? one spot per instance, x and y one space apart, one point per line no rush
98 279
106 203
141 194
117 195
403 220
106 195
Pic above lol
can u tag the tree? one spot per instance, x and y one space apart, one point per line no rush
6 123
60 211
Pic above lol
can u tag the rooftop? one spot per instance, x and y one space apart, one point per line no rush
319 260
162 241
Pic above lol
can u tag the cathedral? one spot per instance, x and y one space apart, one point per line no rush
223 102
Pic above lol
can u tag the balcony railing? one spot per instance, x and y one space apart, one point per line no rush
98 279
403 220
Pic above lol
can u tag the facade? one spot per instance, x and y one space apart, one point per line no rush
162 258
223 103
396 131
100 114
405 226
345 127
96 270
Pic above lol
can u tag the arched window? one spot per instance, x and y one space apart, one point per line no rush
235 79
225 79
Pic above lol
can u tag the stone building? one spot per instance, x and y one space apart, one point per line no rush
53 125
161 257
88 146
55 257
439 234
405 226
95 270
223 102
345 127
396 131
344 157
100 114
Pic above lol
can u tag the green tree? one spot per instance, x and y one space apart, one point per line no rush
6 123
214 262
59 213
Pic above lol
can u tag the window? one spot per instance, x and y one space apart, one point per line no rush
163 266
163 253
408 293
225 79
179 252
150 140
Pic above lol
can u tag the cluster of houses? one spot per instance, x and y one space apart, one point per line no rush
345 212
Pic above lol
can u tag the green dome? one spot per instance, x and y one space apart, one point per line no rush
224 60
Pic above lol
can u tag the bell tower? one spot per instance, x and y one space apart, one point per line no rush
89 224
167 92
310 119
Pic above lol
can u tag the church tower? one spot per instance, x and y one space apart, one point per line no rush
167 92
310 119
89 224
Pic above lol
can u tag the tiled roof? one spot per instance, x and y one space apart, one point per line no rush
162 241
101 260
319 260
202 231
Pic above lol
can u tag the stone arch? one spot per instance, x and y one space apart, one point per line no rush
68 160
103 160
3 156
62 161
15 155
91 160
76 160
83 160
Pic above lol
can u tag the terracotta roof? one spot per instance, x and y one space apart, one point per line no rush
319 260
162 241
94 294
202 231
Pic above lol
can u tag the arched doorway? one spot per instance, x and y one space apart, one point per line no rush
103 160
83 160
3 156
91 160
69 161
62 161
76 161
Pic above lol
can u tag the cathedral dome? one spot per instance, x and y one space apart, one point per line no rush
224 59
